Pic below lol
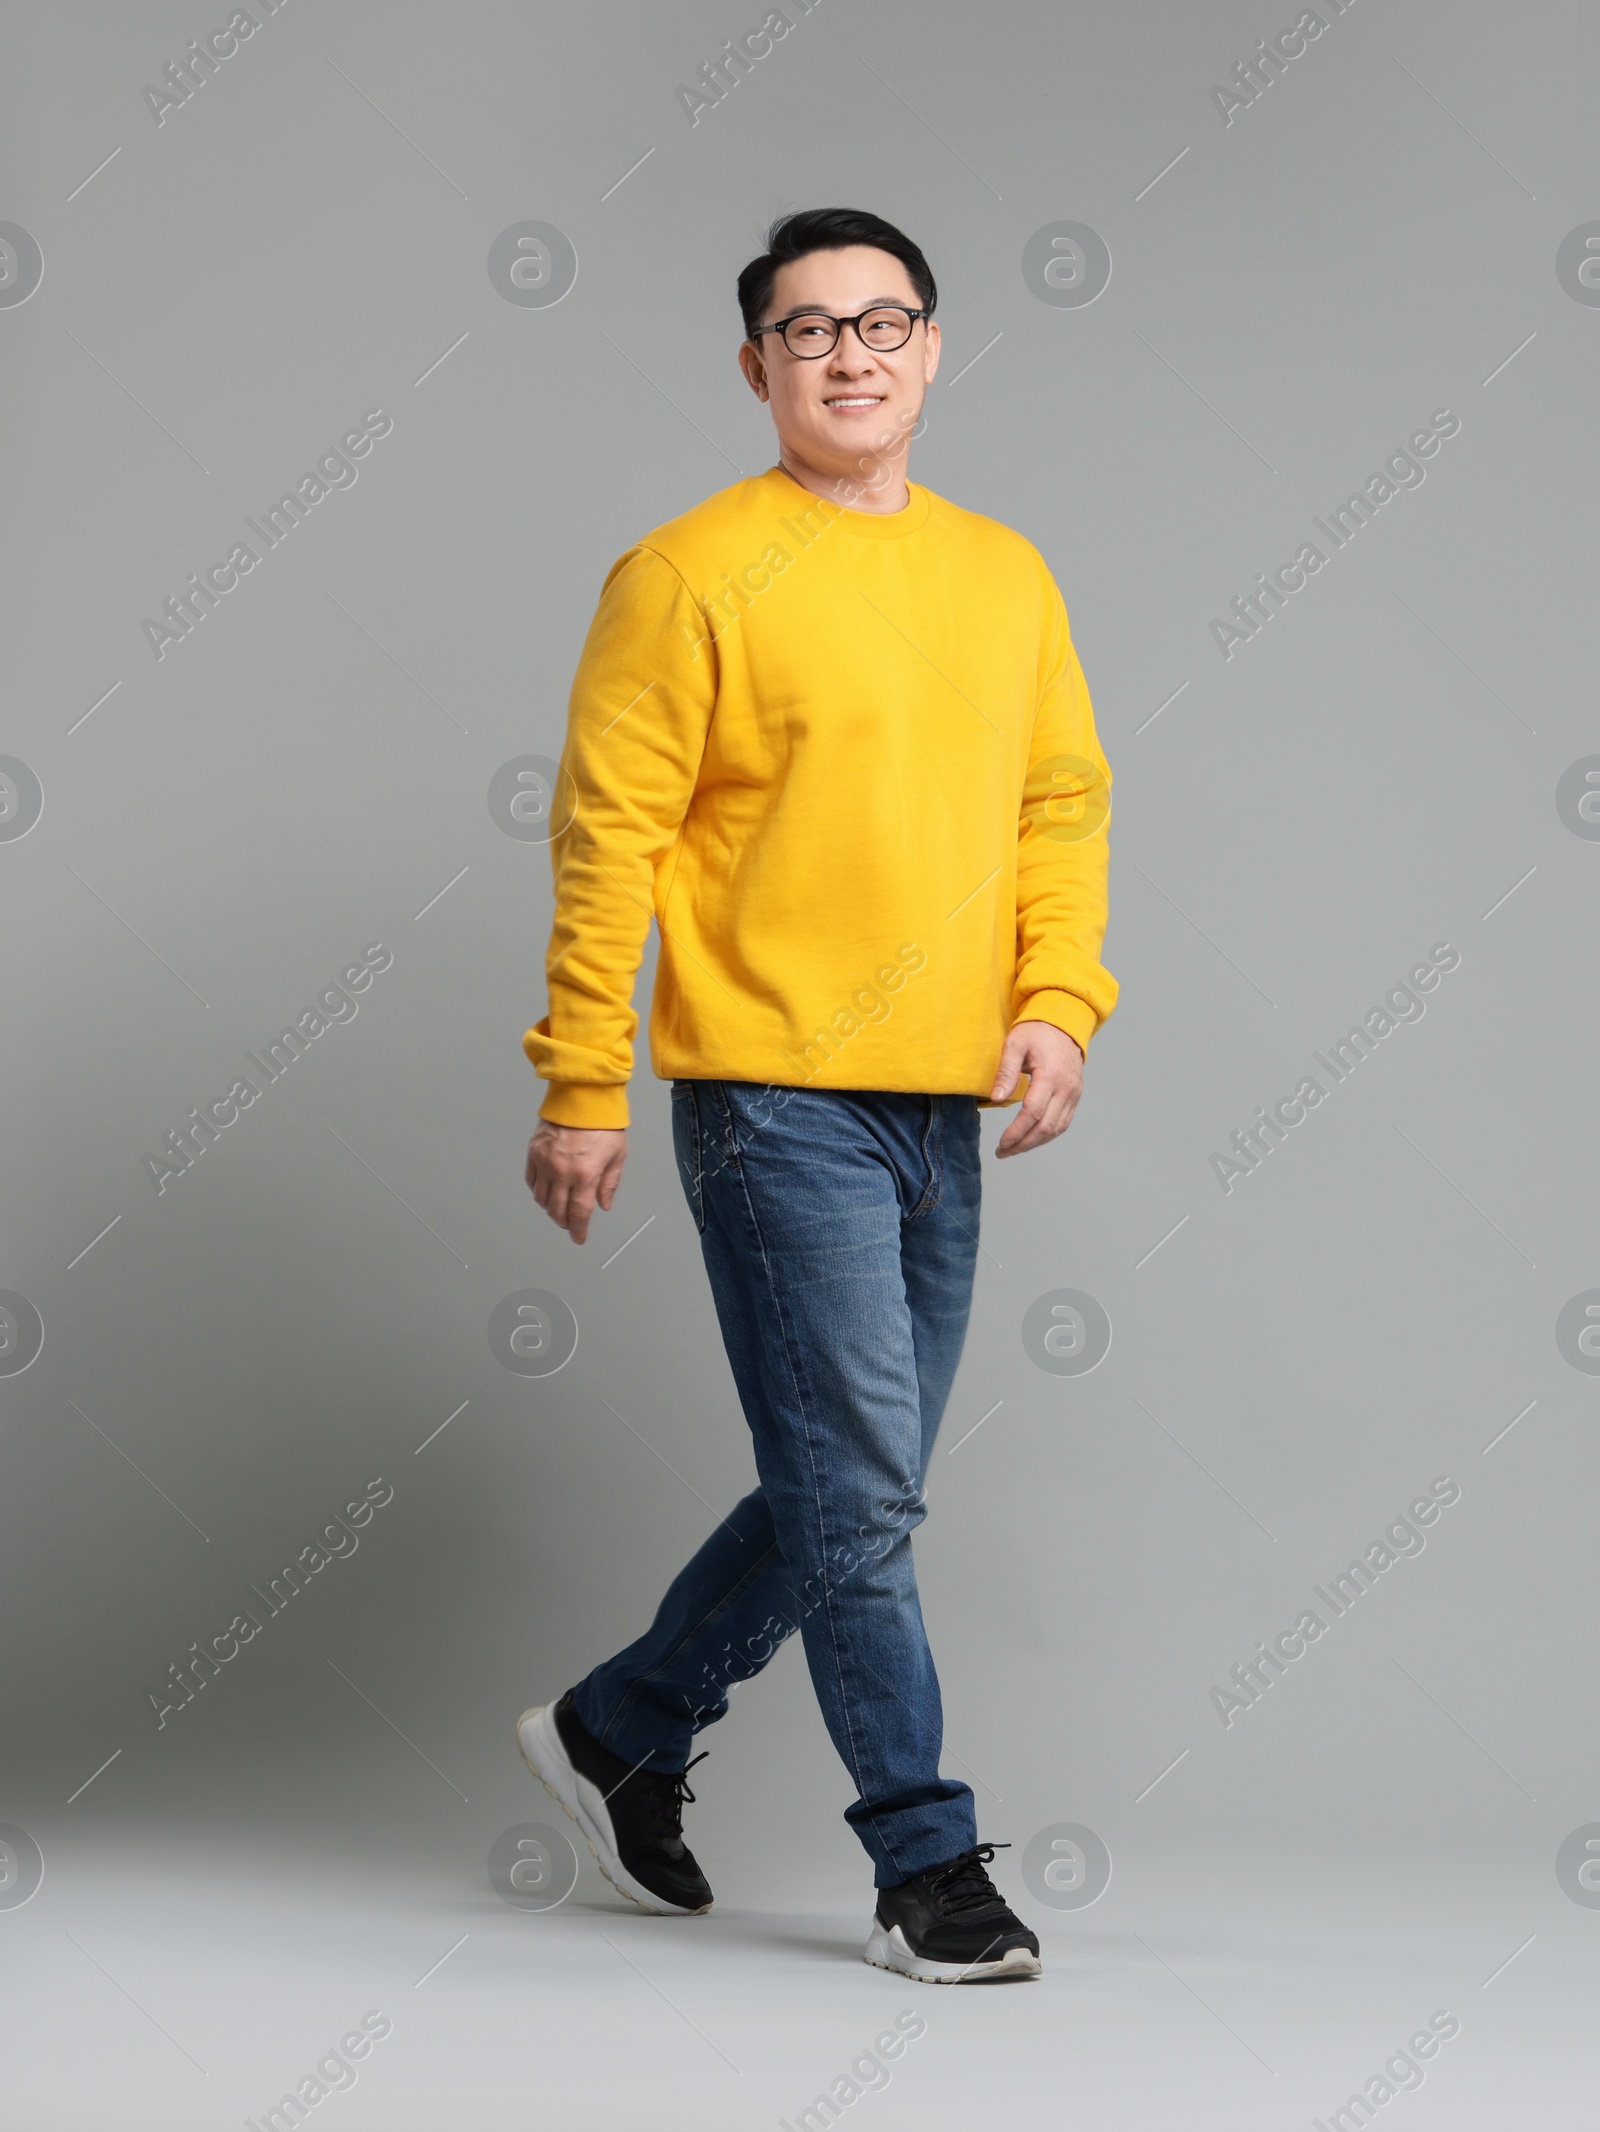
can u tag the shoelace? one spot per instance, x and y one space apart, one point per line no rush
963 1885
668 1793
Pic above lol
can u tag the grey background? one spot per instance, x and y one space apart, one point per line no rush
305 774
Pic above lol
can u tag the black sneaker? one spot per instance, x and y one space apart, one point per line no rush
632 1819
949 1924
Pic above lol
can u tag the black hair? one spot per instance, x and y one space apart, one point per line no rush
828 229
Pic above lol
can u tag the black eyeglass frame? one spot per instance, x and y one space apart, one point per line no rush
781 325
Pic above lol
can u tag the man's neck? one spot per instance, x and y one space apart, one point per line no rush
890 494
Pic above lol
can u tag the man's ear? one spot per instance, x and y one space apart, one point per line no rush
755 371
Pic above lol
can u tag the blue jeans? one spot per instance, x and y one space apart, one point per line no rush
840 1232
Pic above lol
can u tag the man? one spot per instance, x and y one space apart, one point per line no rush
829 729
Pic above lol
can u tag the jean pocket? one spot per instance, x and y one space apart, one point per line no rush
686 1146
724 1123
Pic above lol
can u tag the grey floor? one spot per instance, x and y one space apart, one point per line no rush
189 1981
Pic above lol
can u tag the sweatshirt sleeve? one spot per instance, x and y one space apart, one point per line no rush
637 720
1062 857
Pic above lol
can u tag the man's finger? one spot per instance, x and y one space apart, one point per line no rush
1009 1071
580 1207
1019 1134
1062 1113
1037 1125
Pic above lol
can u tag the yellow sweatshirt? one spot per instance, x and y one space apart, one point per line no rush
847 761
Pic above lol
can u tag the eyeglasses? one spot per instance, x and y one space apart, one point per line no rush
810 334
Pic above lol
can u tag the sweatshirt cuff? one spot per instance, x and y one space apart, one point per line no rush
602 1107
1063 1010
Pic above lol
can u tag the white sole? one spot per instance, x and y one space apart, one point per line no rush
541 1748
889 1950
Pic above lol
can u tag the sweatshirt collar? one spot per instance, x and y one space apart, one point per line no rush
870 525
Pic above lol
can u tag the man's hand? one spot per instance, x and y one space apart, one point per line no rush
1054 1066
573 1168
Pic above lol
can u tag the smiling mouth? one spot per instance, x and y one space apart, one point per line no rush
855 402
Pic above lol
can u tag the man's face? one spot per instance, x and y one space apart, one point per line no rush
849 413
